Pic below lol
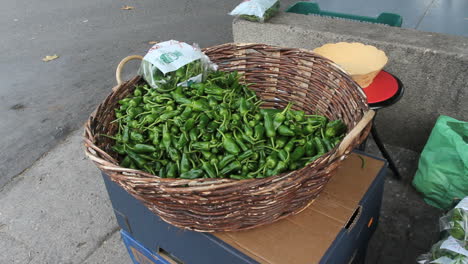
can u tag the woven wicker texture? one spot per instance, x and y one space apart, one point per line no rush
279 75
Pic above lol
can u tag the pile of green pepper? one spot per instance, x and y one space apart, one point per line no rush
216 129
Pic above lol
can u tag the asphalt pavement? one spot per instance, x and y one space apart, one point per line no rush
43 102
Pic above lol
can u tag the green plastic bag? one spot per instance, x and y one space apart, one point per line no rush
442 174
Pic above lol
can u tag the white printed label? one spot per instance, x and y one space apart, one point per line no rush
453 245
170 55
195 79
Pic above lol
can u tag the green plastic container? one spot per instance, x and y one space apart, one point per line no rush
308 8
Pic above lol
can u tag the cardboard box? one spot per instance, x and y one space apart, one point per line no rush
334 229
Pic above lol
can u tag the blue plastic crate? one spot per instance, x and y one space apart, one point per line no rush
138 253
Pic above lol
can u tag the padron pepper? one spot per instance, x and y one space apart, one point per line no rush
233 166
166 137
229 144
144 148
184 162
226 160
137 137
335 128
280 117
268 123
297 153
171 170
208 168
192 174
285 131
319 146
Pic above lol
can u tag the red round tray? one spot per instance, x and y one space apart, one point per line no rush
382 88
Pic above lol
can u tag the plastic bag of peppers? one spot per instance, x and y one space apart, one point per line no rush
217 129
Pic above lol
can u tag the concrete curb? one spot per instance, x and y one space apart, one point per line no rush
433 67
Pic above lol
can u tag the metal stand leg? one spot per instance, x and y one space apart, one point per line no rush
384 152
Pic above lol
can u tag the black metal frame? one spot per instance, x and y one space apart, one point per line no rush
376 106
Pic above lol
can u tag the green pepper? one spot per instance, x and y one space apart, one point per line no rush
290 145
201 145
281 166
237 177
259 131
182 141
208 168
233 166
206 136
280 117
189 124
280 142
319 145
193 134
212 126
133 124
137 137
140 162
298 115
297 153
171 170
184 163
247 154
144 148
226 160
214 89
126 162
199 105
268 123
124 101
119 149
248 130
240 142
206 154
173 154
285 131
229 144
155 140
327 144
271 160
335 128
166 137
186 113
212 102
162 172
283 155
134 102
192 174
175 130
204 119
243 108
269 111
294 165
178 96
310 148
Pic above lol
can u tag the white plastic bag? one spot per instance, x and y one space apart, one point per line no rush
173 62
256 10
454 248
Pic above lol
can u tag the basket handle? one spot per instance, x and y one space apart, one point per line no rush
348 139
118 71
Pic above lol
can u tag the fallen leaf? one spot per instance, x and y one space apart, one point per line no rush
127 7
50 57
153 42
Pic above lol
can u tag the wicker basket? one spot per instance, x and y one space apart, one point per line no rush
279 75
